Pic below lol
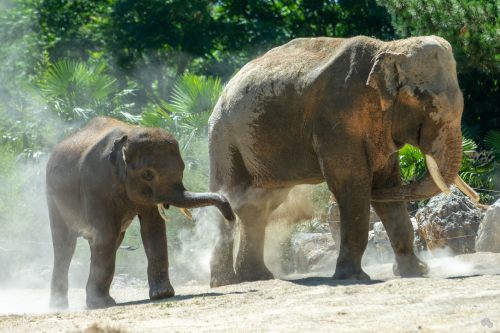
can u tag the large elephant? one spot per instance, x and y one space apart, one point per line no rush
97 181
334 110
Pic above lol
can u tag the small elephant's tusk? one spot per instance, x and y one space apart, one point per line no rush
161 210
466 189
436 174
187 213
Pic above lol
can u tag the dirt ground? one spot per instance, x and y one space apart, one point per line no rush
461 294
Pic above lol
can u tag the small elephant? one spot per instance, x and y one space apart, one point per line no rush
334 110
97 181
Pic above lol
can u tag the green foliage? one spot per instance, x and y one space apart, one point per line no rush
320 197
245 29
70 29
78 91
193 99
190 105
492 141
64 62
186 115
479 170
412 163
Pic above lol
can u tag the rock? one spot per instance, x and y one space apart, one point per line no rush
418 242
449 220
313 252
488 235
379 247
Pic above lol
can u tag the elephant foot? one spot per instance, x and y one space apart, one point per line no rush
409 266
347 271
254 274
362 276
161 292
219 279
100 302
59 303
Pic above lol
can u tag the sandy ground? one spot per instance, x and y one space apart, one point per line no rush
461 294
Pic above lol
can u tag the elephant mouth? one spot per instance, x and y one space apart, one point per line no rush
162 207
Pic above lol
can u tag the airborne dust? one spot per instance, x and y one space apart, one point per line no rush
26 247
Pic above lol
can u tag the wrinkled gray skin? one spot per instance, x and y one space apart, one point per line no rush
97 181
334 110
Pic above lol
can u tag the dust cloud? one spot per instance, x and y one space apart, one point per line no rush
190 261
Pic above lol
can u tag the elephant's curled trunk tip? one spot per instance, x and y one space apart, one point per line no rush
226 210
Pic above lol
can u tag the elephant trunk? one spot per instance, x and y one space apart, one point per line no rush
187 199
443 166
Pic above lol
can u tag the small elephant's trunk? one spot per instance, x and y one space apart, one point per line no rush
187 199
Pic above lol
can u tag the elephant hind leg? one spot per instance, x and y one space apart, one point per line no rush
64 243
226 174
221 263
254 210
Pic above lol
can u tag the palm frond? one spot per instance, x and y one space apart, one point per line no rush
492 141
157 117
411 162
468 145
77 90
194 94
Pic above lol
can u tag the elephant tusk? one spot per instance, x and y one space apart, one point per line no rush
161 210
436 174
466 189
187 213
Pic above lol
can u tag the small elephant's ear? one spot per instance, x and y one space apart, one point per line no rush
384 77
117 157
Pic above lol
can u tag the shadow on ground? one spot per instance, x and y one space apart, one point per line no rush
328 281
181 298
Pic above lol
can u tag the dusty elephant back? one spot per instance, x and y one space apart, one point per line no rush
266 100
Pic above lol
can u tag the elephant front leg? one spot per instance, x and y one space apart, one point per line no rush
354 225
102 268
397 223
348 175
154 238
396 220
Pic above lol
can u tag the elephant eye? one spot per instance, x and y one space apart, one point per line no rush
147 175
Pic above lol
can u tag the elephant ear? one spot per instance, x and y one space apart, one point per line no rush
384 77
117 157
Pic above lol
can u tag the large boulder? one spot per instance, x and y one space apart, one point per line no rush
313 252
449 220
488 235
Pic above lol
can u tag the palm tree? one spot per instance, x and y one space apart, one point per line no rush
190 104
78 91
